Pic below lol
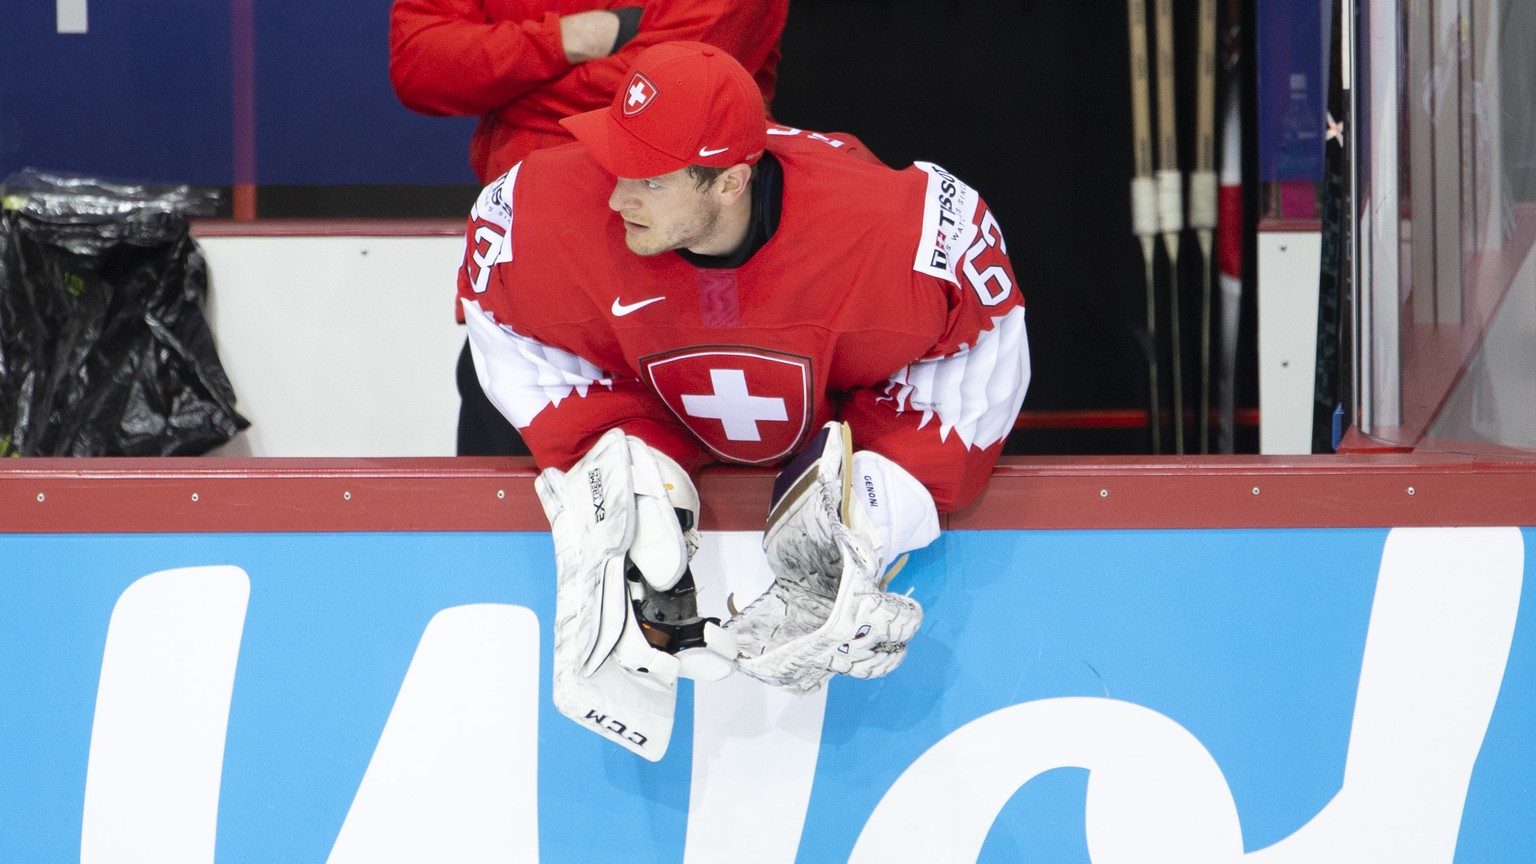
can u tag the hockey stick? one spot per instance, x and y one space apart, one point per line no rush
1144 203
1170 199
1229 242
1229 227
1202 199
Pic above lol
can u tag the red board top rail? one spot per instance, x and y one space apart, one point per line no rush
244 495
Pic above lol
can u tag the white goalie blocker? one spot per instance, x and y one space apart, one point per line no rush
626 625
826 611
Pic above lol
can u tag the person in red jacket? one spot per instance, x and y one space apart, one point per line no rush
690 284
522 66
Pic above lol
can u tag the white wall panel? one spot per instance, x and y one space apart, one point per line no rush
338 346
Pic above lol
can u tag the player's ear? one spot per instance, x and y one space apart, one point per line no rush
733 183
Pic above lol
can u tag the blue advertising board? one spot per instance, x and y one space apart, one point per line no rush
1124 695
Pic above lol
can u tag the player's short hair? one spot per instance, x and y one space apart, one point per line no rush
704 175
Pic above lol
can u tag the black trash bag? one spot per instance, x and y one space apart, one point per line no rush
104 347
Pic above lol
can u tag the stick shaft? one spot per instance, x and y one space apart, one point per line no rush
1205 91
1167 123
1141 108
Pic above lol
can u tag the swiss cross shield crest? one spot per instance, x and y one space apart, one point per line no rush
745 404
638 95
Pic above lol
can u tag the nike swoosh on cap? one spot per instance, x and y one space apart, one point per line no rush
622 309
706 152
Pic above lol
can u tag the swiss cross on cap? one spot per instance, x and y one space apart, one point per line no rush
685 103
638 95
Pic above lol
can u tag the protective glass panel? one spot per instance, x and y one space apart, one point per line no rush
1446 218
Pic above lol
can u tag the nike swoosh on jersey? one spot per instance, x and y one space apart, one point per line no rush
706 152
622 309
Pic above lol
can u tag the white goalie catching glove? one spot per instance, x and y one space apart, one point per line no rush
826 611
626 624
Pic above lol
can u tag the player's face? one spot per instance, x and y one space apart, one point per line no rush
665 213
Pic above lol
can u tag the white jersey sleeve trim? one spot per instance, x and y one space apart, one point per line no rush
520 375
491 243
975 393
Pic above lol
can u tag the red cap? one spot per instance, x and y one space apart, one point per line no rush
685 103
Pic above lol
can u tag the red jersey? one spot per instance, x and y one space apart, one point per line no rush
503 61
884 298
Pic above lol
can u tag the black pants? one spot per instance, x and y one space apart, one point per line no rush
483 431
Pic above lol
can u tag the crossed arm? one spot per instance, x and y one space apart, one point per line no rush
450 58
445 58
